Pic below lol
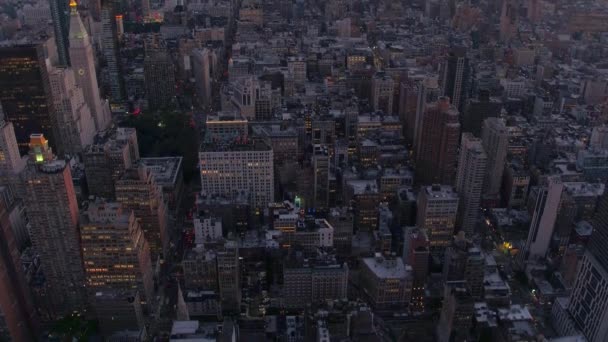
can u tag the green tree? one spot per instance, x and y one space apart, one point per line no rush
167 133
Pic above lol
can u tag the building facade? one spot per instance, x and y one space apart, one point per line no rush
53 213
469 181
235 166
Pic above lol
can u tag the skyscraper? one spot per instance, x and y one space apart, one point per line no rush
469 181
508 20
11 162
427 92
202 75
53 216
75 124
109 46
457 313
437 147
228 276
105 161
416 254
136 190
454 78
83 64
116 254
479 109
61 26
25 91
543 220
159 73
589 299
383 93
495 140
16 306
320 164
437 209
465 262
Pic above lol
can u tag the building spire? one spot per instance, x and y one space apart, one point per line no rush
73 6
77 29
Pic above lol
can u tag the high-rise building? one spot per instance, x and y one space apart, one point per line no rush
387 281
253 97
75 123
202 75
427 92
457 313
342 220
416 254
60 12
383 93
297 69
207 229
9 150
109 46
107 158
16 306
94 7
226 125
465 262
159 73
17 215
469 181
437 209
231 166
11 162
589 299
313 281
455 78
365 199
83 64
437 147
508 20
516 180
495 140
53 217
477 110
25 91
544 216
320 164
115 252
137 190
118 311
200 269
228 276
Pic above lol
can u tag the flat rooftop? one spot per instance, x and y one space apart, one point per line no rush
164 169
387 268
236 145
441 192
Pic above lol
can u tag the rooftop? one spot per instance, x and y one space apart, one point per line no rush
236 145
388 268
441 192
164 169
514 313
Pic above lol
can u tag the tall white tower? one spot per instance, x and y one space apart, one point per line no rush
81 58
76 127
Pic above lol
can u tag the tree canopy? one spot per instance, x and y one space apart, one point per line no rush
167 133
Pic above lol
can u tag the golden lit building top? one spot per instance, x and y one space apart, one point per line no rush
39 148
